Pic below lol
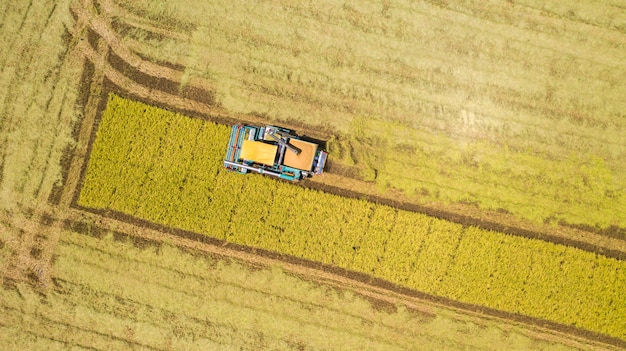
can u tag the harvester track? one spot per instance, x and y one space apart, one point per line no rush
126 72
116 68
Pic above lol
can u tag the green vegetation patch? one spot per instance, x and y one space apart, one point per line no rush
167 168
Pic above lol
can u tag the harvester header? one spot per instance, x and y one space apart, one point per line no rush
273 151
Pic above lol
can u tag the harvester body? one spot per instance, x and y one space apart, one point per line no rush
273 151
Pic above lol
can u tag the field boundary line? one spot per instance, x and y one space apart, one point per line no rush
104 31
127 86
361 283
88 123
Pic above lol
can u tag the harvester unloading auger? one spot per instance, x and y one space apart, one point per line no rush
274 151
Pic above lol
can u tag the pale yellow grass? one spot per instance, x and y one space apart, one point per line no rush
461 98
38 92
113 295
608 13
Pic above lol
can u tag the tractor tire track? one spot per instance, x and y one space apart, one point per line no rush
30 226
108 76
149 70
378 291
133 82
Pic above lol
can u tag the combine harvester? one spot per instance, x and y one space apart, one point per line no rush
274 151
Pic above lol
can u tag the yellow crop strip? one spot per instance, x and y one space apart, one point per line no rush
457 104
111 295
167 168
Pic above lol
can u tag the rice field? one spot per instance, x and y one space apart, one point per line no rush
482 101
510 106
157 165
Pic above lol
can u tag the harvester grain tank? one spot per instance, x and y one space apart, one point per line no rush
273 151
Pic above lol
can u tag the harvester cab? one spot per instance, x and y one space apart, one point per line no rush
274 151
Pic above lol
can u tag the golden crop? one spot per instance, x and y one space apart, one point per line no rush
167 168
517 114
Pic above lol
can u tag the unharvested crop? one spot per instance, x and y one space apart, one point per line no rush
113 296
167 168
514 106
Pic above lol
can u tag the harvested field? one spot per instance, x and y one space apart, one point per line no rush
514 90
510 107
38 78
156 165
112 295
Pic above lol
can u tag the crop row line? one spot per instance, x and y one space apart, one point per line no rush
201 303
142 277
603 139
307 235
214 330
49 321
